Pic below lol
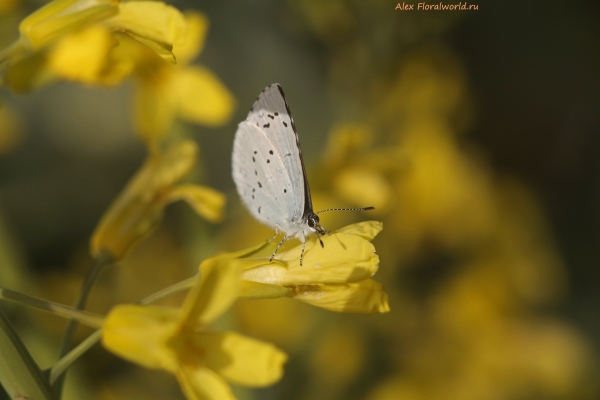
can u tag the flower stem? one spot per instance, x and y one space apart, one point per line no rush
90 278
166 292
89 319
61 365
19 374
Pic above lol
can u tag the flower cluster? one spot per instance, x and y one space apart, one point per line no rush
102 43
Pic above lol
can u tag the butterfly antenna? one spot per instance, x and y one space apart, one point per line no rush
347 209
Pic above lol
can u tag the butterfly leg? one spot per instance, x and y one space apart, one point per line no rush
303 246
276 233
278 246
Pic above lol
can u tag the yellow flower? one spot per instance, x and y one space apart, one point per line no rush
60 17
140 206
358 173
191 92
336 277
177 341
73 39
102 42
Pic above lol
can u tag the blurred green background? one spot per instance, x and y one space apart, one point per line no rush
476 135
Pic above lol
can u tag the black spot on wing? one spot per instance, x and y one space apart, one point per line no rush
259 184
270 116
284 124
271 152
266 125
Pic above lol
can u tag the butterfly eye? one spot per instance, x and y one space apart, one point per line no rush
312 220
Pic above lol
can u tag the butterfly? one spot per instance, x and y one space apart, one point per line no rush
269 173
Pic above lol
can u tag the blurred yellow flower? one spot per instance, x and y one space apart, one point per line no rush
336 277
191 92
82 56
60 17
140 205
155 24
176 340
74 39
102 42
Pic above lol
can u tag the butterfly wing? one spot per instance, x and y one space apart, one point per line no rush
272 115
262 179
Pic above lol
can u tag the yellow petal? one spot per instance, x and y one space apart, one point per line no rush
121 60
345 258
140 333
153 23
192 42
242 360
140 205
366 297
200 383
154 111
366 229
207 202
82 56
256 290
216 290
254 254
164 50
60 17
201 96
29 72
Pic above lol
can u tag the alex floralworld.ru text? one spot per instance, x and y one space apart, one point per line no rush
430 6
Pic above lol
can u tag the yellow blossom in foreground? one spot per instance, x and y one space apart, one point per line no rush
177 341
336 277
140 206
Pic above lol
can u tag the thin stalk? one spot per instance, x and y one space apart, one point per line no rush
19 374
90 278
89 319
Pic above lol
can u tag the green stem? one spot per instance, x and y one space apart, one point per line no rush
168 291
19 374
89 319
61 365
90 278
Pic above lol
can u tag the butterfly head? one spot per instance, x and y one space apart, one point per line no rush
312 220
